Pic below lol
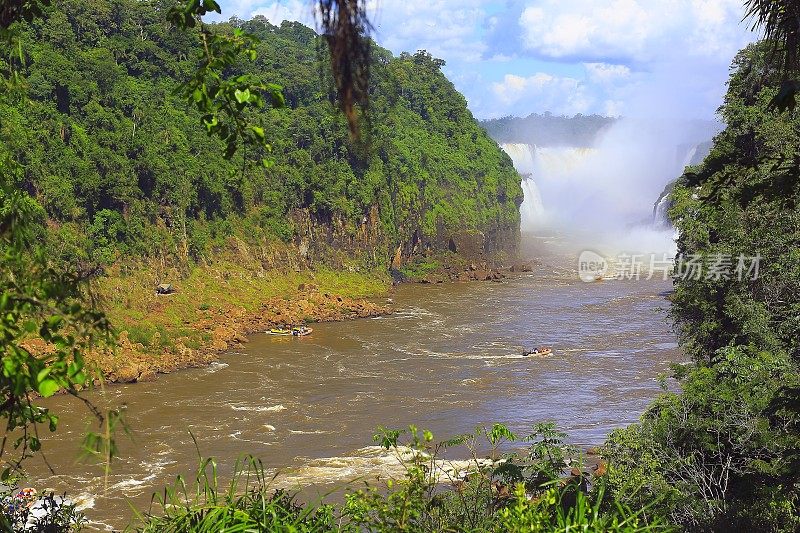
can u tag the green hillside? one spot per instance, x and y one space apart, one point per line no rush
122 167
723 454
548 129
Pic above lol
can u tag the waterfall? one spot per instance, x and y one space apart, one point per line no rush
603 197
560 162
531 211
521 155
540 165
690 156
695 155
660 217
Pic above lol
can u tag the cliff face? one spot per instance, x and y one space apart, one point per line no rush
338 243
124 170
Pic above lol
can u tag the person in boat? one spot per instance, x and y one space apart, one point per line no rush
544 350
299 331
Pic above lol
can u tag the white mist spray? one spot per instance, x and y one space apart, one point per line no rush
602 197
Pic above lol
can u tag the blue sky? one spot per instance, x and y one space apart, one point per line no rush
662 58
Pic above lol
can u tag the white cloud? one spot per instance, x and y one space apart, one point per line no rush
445 28
632 30
277 12
500 58
542 91
606 73
564 56
613 108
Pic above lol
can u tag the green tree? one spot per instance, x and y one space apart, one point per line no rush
723 452
46 300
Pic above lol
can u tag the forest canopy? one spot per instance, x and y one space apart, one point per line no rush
122 167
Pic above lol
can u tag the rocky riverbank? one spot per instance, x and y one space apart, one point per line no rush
228 328
441 271
215 308
474 272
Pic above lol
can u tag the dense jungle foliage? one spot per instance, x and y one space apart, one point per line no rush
723 454
122 167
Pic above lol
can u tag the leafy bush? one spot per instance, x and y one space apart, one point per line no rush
245 505
105 234
711 456
433 494
419 268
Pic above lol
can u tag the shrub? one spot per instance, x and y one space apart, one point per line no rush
432 495
712 456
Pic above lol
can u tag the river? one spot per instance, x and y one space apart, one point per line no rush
448 359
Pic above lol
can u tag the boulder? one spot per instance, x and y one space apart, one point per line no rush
146 374
433 278
483 275
165 288
521 267
126 374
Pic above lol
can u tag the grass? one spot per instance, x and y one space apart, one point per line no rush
424 498
420 267
211 295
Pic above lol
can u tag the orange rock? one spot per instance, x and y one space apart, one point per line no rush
601 469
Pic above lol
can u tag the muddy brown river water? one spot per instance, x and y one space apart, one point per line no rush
448 359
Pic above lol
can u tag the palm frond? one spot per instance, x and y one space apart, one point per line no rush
780 22
346 27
